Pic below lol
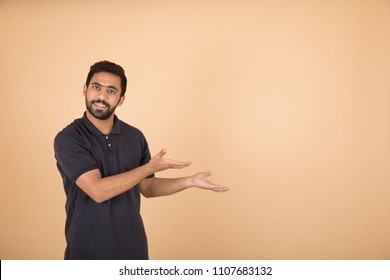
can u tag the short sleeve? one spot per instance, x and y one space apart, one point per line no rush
146 154
73 159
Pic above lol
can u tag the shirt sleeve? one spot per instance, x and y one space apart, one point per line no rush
73 158
146 155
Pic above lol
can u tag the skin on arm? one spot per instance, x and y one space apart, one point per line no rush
153 187
101 189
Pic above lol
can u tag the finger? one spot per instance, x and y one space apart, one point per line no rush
160 154
204 174
216 187
179 164
220 189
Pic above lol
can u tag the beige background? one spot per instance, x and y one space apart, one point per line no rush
287 102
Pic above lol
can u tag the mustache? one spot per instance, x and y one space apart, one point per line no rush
102 102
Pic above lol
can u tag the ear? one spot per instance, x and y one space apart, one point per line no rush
85 90
121 100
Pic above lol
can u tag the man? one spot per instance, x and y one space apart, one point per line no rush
105 165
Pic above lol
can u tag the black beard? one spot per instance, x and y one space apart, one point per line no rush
100 114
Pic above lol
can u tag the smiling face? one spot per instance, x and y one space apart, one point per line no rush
103 95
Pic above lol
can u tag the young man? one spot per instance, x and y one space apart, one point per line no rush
105 165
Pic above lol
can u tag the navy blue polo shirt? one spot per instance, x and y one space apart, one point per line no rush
112 229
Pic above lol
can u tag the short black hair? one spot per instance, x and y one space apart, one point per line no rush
110 67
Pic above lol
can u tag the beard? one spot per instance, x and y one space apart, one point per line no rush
101 114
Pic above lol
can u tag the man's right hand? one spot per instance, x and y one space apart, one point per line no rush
159 163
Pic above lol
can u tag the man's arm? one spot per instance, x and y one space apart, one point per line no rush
153 187
101 189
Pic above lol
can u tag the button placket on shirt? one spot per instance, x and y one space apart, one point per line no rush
108 142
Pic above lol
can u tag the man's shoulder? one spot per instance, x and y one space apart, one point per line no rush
73 126
128 128
72 130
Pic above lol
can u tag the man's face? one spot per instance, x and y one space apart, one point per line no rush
102 96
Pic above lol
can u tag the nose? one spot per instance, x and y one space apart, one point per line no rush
102 95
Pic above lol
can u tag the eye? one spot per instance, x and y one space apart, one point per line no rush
112 91
96 87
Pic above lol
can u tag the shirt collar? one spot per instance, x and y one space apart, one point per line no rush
93 129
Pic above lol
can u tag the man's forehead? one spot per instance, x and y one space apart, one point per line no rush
106 78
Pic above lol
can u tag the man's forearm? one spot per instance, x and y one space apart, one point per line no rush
101 189
155 187
152 187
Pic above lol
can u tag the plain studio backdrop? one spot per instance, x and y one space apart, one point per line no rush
287 102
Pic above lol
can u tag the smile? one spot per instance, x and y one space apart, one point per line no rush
100 105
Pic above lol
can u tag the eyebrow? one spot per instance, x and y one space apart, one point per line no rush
100 85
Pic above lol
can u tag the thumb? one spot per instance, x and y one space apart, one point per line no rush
205 174
161 153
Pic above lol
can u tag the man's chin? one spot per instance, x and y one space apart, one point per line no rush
100 114
103 116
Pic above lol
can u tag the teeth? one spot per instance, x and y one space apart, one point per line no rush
100 105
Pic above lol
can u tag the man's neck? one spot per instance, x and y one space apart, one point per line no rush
104 126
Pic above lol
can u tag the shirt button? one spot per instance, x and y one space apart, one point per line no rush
106 137
109 145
